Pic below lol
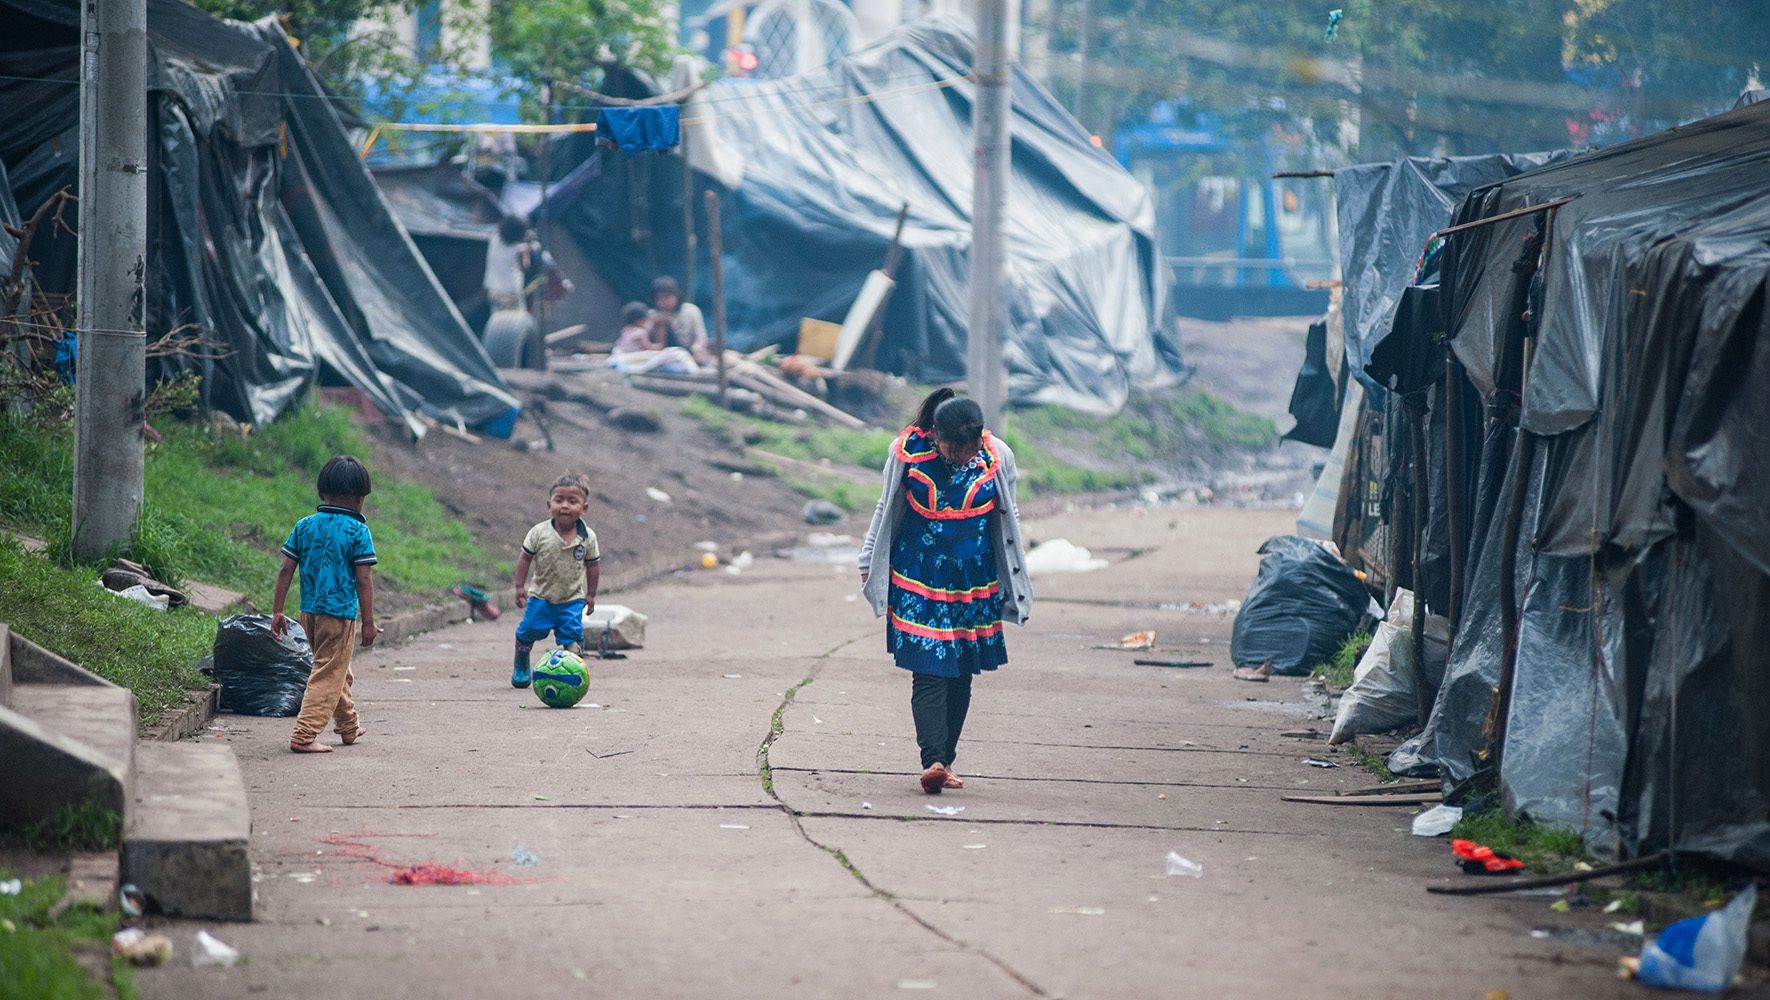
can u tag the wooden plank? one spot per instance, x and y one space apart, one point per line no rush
1418 798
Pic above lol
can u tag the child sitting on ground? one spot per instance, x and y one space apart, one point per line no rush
567 566
333 549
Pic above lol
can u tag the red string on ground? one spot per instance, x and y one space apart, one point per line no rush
353 845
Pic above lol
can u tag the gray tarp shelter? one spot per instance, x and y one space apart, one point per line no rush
1612 493
814 170
266 233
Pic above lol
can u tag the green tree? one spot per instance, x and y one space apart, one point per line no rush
534 43
542 44
1426 77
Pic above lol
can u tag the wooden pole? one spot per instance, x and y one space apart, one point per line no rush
866 353
688 233
1453 480
1417 445
715 257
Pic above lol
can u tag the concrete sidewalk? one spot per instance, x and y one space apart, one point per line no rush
677 859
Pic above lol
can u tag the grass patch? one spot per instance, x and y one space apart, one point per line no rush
1376 764
1547 850
84 827
1151 427
851 497
153 653
37 953
1339 670
840 445
1041 470
218 504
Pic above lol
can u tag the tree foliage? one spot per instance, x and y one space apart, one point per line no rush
534 42
541 43
1437 76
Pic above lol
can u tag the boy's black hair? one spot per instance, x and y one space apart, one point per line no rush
511 229
634 312
344 476
665 283
576 480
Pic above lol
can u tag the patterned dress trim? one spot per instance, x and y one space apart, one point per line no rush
925 450
947 634
938 594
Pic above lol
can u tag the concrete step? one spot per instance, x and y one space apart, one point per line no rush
65 744
186 845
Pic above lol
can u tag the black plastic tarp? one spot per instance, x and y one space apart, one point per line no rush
1386 212
266 233
828 158
1642 566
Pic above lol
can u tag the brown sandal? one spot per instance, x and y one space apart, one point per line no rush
934 779
953 781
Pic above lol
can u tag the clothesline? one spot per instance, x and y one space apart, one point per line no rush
495 128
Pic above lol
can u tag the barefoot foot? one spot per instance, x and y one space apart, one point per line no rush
310 747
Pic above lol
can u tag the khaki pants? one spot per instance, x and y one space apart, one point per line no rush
327 698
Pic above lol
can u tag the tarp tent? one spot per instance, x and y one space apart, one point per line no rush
1618 473
266 234
1385 213
826 160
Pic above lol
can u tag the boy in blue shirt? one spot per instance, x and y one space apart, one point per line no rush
562 550
333 550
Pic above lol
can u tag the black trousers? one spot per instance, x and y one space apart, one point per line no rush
939 705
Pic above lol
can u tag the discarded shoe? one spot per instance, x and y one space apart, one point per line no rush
1259 675
479 603
1479 859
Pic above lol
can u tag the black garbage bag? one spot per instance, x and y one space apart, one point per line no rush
260 674
1304 603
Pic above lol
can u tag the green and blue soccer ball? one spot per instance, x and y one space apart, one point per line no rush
561 680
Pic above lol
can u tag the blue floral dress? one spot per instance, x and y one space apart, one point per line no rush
945 599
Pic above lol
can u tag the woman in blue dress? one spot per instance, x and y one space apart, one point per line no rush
943 565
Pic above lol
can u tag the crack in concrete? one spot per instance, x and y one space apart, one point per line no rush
1081 746
1067 781
1083 824
765 771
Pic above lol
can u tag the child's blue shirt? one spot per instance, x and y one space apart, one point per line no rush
329 545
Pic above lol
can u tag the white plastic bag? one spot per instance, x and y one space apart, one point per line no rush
1701 953
625 627
1437 821
209 950
1382 693
1060 555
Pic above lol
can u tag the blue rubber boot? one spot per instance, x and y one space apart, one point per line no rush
519 676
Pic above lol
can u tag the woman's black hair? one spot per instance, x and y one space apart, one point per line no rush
925 414
511 229
951 417
343 476
634 312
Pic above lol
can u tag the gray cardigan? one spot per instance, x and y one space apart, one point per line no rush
875 553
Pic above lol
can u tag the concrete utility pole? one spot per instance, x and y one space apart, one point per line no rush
985 367
111 377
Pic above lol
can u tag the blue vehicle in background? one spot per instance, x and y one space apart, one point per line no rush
1240 241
